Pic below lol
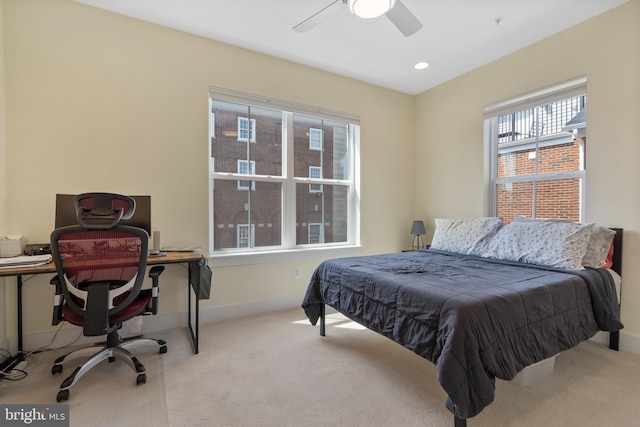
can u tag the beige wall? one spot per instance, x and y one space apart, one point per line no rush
449 129
101 102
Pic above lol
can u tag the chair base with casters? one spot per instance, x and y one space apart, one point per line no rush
115 347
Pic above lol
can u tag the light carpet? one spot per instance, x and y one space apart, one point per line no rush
106 396
275 370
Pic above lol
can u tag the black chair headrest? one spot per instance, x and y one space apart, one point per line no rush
103 210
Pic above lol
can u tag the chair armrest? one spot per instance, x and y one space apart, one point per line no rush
155 273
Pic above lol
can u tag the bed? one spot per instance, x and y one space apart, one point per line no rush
482 302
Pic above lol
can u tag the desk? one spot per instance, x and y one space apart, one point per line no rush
190 258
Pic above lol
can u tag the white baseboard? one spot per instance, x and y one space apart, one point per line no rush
628 341
163 322
153 324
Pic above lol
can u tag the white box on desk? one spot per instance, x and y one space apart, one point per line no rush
12 247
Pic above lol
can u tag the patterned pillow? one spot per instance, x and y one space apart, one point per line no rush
469 236
598 247
548 243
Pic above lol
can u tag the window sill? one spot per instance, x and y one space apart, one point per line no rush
230 259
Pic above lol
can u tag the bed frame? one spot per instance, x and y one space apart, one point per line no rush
614 337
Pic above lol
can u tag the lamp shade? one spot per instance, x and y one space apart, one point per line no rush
418 228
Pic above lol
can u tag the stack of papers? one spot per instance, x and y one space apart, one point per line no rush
25 261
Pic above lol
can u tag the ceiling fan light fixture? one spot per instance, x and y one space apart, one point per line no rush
370 8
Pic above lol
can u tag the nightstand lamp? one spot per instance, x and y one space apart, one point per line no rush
418 230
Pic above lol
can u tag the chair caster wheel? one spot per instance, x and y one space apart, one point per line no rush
56 369
141 379
163 349
62 395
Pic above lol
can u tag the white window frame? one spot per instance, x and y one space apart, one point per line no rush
242 228
251 167
212 121
315 188
315 139
567 89
320 233
241 129
289 249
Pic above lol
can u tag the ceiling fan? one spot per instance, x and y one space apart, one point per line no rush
395 10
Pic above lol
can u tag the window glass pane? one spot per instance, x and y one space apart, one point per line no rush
541 138
558 199
514 198
247 133
517 163
332 158
261 207
327 211
561 158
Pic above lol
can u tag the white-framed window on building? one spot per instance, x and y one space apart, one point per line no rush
246 168
315 172
246 132
245 235
291 185
315 139
536 147
315 233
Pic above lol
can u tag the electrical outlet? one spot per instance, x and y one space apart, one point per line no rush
296 272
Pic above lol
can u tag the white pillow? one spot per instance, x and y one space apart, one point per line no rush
599 243
548 243
468 236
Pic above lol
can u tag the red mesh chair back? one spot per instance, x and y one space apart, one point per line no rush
101 265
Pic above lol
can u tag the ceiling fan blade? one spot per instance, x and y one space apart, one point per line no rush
318 17
403 19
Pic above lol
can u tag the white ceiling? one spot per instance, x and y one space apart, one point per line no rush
458 35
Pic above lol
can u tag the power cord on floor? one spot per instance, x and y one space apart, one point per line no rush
13 367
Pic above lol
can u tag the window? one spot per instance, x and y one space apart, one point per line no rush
301 197
315 139
315 233
315 172
246 168
244 239
246 133
537 148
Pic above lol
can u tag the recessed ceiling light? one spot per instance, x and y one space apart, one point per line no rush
421 65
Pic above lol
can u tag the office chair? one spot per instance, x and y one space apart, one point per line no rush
100 271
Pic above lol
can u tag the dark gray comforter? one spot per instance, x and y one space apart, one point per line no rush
475 319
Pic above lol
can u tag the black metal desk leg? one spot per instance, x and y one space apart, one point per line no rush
194 275
459 422
19 289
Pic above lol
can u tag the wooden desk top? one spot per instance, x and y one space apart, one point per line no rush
170 258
